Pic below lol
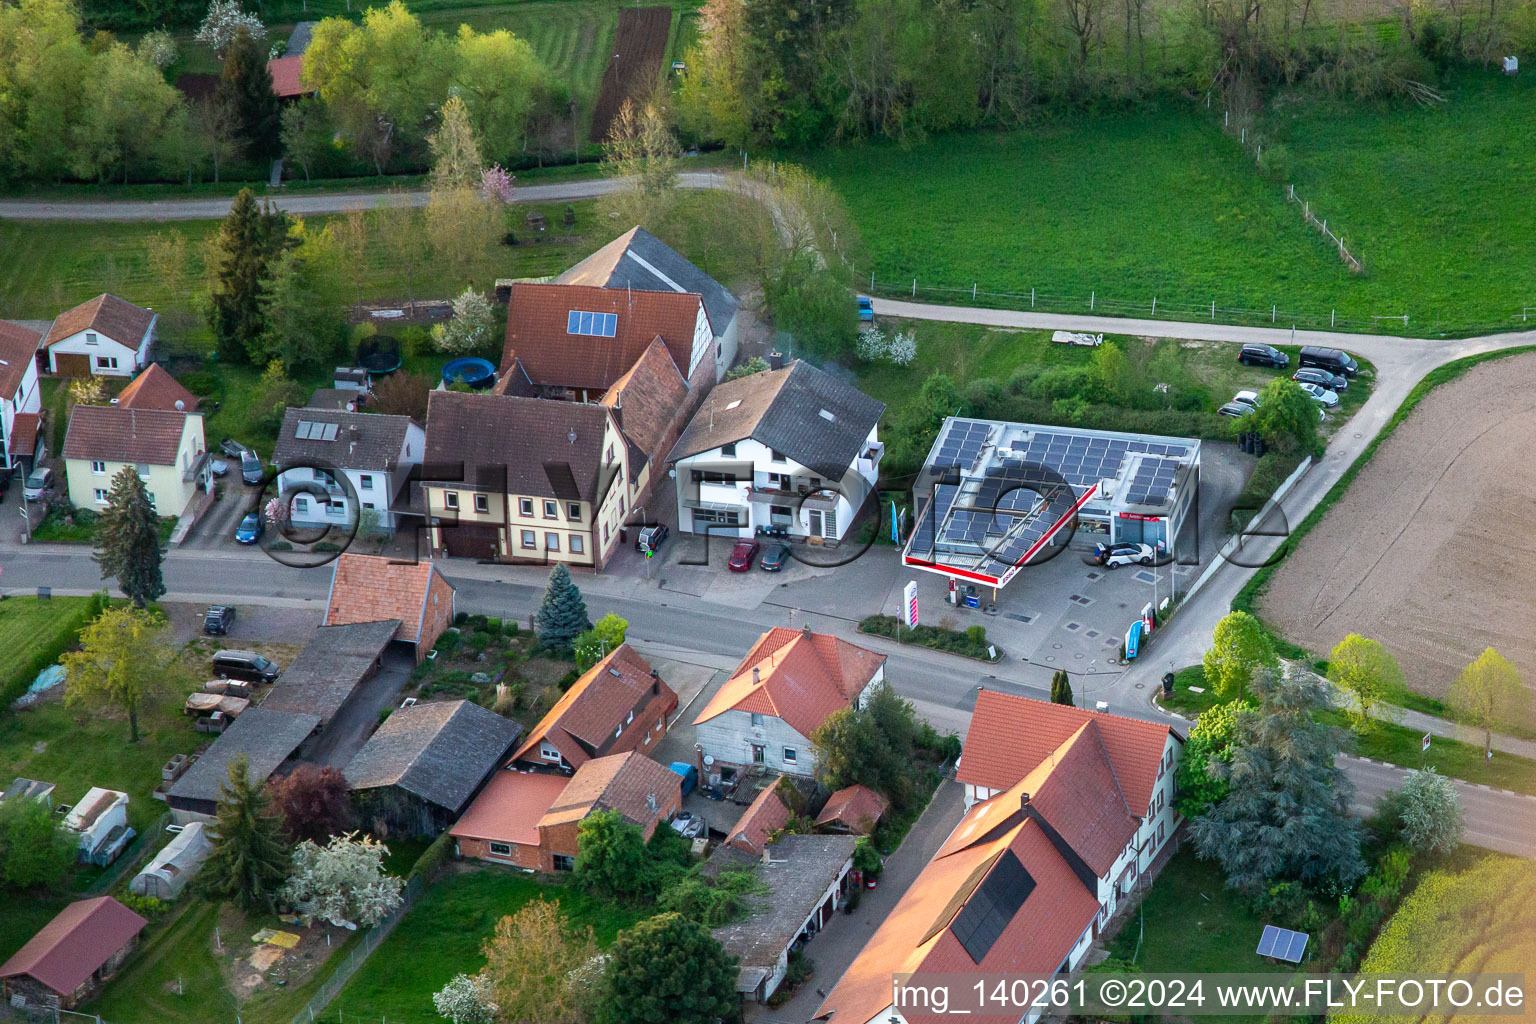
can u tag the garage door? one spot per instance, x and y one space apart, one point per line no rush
72 364
471 540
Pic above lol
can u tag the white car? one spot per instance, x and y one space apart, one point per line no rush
1116 555
1321 395
1248 398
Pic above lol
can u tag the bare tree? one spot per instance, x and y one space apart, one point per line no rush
215 127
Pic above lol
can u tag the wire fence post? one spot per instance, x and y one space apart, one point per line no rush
1213 309
973 292
1273 311
914 287
1091 297
1154 305
871 280
1333 317
1031 298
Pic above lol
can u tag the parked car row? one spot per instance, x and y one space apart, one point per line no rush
745 552
1323 374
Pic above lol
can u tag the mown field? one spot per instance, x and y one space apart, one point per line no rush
1158 203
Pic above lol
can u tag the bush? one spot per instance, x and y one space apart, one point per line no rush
416 340
939 638
148 906
976 634
200 382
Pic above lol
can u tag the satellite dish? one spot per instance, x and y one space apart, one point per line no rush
709 759
181 405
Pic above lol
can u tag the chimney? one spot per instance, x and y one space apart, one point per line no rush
775 360
756 676
1023 801
806 629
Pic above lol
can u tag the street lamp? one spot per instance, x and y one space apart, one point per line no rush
26 517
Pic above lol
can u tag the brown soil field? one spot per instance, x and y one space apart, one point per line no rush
1432 550
639 44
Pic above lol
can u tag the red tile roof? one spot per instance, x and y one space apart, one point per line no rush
763 817
18 348
75 944
155 388
857 807
508 809
630 783
109 433
24 433
587 714
648 400
1010 736
119 320
287 76
537 335
367 588
802 677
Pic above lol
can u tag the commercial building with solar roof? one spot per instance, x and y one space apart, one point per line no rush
994 496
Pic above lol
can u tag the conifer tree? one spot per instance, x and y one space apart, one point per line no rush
129 535
245 91
249 860
248 241
1061 688
563 615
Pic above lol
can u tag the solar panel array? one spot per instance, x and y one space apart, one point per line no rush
990 522
1282 944
994 903
595 325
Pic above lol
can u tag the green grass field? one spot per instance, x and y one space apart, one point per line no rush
27 624
442 936
1158 203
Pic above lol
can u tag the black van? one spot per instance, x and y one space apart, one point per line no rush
1330 359
244 665
1263 355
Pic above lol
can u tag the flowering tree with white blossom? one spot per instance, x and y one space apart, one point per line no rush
224 21
466 999
342 882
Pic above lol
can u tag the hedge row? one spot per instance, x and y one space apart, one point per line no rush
971 644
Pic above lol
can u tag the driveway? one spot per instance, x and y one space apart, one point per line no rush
359 717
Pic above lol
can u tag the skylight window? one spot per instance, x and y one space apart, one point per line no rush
732 405
827 415
592 325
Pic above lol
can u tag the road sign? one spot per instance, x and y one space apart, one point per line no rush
909 602
1424 748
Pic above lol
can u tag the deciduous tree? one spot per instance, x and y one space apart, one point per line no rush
539 968
1287 418
667 970
562 615
225 20
1209 741
1369 677
249 860
1489 695
642 150
1286 812
305 132
611 858
1239 647
128 539
122 661
456 161
471 326
343 882
1432 820
300 325
402 394
315 802
596 643
467 999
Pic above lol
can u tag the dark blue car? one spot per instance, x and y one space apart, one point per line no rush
249 530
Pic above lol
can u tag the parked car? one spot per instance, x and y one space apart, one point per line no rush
1248 398
866 309
37 483
218 467
774 558
249 530
234 449
742 556
689 773
1263 355
1312 375
1113 556
1237 410
651 538
250 467
218 620
1331 359
1321 395
245 665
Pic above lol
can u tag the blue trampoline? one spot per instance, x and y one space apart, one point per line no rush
476 372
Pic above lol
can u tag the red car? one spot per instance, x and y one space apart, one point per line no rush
742 556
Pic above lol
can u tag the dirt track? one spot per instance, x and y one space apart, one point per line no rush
639 45
1432 549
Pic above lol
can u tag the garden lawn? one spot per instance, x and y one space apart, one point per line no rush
27 624
443 934
1157 202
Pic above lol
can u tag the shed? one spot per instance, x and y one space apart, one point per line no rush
173 867
330 668
266 738
854 808
64 964
422 767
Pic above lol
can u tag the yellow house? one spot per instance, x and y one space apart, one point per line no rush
166 447
526 480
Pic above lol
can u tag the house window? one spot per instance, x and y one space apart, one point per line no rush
622 509
564 862
301 505
728 450
90 339
610 453
777 455
106 362
529 540
451 500
757 720
705 515
661 723
618 732
1160 826
101 496
369 504
501 849
577 547
525 506
335 509
99 468
550 510
365 481
630 718
605 533
548 752
482 503
789 755
573 511
551 542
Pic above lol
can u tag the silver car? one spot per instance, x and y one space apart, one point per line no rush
1321 395
38 482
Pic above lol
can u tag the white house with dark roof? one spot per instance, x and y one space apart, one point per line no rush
639 260
105 337
795 448
328 458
